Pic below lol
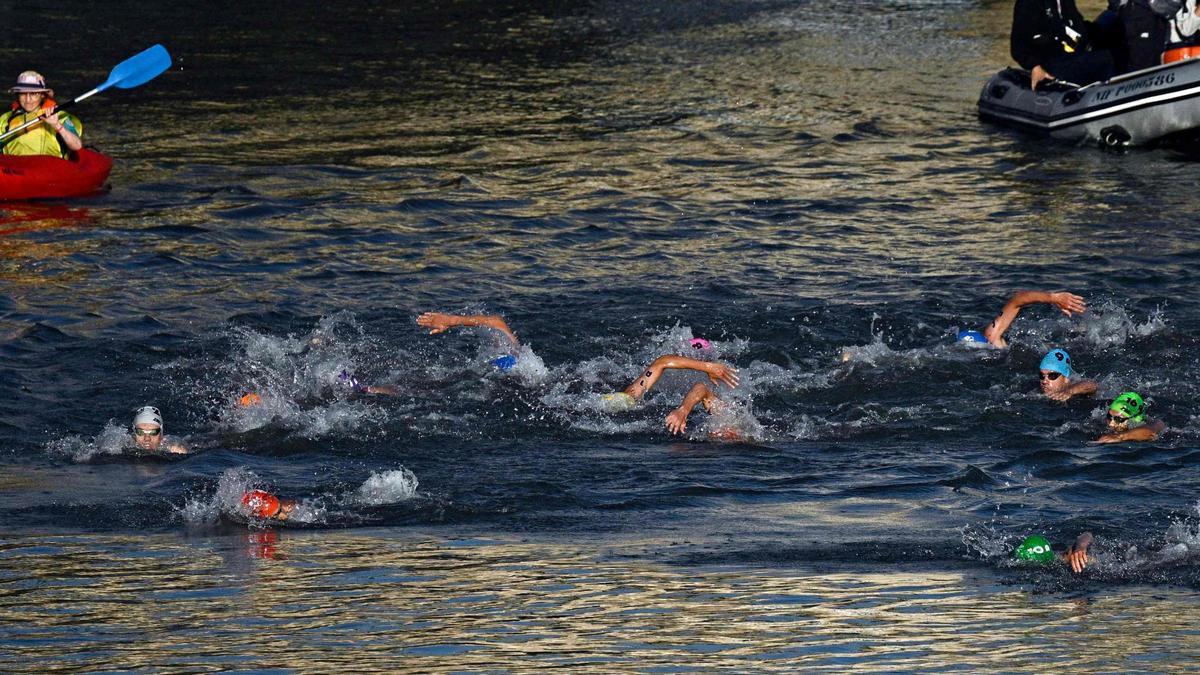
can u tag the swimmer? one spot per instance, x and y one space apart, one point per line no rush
1058 379
1036 549
1127 421
700 393
719 373
147 432
1069 303
263 504
438 322
347 380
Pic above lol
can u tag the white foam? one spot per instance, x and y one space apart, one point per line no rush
387 487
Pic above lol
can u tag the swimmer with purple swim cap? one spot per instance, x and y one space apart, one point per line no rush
437 322
993 334
348 381
1058 378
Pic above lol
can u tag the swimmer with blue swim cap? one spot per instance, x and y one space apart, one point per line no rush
1128 420
1058 379
437 322
993 334
1036 549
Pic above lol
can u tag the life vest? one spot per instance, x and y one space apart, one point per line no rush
38 139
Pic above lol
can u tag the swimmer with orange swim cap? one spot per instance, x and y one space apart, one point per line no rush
263 504
250 400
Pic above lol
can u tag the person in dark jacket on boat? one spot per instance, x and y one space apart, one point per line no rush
1146 26
1050 40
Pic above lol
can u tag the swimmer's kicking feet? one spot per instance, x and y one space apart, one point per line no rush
1128 421
437 322
719 373
1058 378
1069 303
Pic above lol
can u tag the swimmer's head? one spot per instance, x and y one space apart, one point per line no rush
261 504
250 400
699 344
147 428
1055 371
1034 549
505 363
972 336
1126 411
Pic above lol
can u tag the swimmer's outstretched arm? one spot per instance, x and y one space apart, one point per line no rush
1080 388
1069 303
1076 556
379 389
1146 432
438 322
717 372
700 393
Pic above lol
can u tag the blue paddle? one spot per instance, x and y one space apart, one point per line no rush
132 72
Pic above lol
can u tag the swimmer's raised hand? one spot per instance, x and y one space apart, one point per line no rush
437 322
1069 303
721 373
677 420
1077 557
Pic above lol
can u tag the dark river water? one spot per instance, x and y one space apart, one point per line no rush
807 186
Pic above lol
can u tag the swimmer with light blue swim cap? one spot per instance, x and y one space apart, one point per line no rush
993 334
1057 378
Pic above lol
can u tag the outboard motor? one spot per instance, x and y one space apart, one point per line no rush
1114 137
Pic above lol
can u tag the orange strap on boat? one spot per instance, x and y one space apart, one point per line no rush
1180 54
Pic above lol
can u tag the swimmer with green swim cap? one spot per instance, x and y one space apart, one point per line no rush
1037 550
1069 303
1128 421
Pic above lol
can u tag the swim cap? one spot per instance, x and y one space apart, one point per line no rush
147 414
971 336
700 343
505 363
1057 360
261 503
617 402
1034 549
1131 405
249 400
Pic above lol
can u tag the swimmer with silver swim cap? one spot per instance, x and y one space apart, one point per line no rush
1037 550
147 432
437 322
993 334
1058 379
1128 421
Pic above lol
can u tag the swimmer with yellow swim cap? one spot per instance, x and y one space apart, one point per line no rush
1069 303
719 373
437 322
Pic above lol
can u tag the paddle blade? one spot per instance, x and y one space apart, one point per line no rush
138 69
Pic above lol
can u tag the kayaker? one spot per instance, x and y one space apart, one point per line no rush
1069 303
1050 40
59 133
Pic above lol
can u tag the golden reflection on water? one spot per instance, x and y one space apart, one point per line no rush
373 601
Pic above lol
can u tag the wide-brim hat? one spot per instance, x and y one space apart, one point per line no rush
28 82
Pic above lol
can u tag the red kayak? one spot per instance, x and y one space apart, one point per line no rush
45 177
